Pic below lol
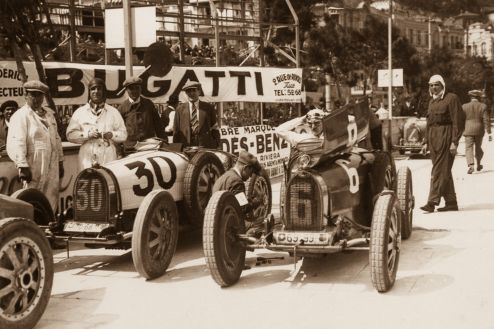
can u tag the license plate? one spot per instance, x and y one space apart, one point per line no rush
85 227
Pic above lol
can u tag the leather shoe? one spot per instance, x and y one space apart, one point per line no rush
480 167
470 170
450 207
429 207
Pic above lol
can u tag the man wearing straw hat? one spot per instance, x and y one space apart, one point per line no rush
195 122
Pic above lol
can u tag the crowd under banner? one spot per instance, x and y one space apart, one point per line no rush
68 82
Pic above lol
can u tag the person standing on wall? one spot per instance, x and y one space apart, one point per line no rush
34 145
445 124
141 118
477 121
195 122
98 127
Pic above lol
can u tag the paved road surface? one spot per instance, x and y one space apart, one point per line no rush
445 279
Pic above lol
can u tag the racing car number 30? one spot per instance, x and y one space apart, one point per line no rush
153 174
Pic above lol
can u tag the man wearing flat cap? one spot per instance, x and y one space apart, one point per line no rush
233 181
477 121
140 115
445 125
195 122
34 145
98 127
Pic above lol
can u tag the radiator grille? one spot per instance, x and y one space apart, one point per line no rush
303 204
91 197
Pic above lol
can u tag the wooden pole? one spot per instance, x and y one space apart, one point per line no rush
72 42
128 37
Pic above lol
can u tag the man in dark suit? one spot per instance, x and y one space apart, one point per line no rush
477 121
195 122
140 115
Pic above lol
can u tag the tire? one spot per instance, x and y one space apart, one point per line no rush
404 192
382 173
202 171
155 234
225 255
43 214
385 233
33 277
260 187
282 200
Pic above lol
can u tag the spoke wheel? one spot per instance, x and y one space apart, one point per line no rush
225 255
404 191
26 273
385 242
200 175
259 187
155 234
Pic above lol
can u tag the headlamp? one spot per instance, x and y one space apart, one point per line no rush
304 161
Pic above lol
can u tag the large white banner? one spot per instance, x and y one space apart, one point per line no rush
261 140
68 82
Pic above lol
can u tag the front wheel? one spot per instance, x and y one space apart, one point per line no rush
202 171
155 234
385 241
26 273
224 253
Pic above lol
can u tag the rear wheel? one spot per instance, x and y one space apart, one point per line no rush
26 273
224 253
382 173
385 242
404 191
202 171
155 234
260 188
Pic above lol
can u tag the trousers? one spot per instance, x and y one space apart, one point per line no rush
442 184
473 148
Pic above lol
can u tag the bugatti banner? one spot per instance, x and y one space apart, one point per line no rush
68 82
271 151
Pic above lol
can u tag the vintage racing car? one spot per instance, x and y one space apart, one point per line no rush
334 198
139 202
26 265
412 135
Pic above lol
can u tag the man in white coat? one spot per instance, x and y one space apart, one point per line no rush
34 145
98 127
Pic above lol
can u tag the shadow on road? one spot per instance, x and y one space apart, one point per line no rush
352 267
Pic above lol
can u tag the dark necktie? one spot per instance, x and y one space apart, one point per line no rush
194 123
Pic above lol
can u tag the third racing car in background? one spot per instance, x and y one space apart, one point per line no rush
333 199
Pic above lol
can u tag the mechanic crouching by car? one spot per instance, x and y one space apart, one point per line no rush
98 127
233 181
34 145
140 115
